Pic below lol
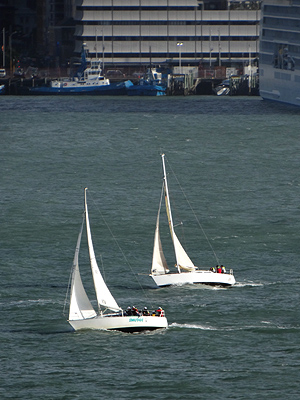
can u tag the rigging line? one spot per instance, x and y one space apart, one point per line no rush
122 252
197 219
68 290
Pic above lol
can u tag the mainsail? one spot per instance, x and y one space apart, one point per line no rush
104 297
159 264
80 305
182 259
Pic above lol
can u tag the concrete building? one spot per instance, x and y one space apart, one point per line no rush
55 29
37 29
187 32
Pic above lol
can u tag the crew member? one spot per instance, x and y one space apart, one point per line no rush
128 312
135 311
145 311
159 311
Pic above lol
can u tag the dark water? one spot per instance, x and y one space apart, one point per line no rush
237 160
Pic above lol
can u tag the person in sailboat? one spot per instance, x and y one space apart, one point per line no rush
128 312
219 269
145 311
135 311
213 269
159 311
223 269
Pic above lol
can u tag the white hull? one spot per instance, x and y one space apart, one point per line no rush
202 277
279 59
124 324
279 85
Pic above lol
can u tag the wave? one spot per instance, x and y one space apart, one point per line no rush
26 303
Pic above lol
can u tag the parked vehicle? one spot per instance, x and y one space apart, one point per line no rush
114 73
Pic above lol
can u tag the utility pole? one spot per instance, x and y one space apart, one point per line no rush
10 50
179 44
3 48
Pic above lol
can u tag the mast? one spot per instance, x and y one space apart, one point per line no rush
159 264
96 46
167 198
168 208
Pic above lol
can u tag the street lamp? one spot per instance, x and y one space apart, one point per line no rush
179 44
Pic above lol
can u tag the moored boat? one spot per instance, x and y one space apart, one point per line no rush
149 85
88 80
223 89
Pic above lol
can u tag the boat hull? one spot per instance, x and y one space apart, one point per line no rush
144 90
279 85
119 323
202 277
112 89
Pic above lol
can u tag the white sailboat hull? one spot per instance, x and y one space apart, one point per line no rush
119 323
199 276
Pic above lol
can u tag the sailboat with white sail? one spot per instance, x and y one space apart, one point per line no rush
186 271
110 316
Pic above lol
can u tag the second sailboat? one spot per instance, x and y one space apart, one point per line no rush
186 272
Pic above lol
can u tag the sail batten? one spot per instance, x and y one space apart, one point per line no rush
104 296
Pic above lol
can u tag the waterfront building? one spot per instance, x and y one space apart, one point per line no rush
184 32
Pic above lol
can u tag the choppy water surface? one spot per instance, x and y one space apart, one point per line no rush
237 161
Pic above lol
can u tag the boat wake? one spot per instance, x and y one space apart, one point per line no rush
249 283
264 326
192 326
198 286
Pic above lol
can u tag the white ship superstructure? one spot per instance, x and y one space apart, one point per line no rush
279 62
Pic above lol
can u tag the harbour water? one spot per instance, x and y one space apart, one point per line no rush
237 161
